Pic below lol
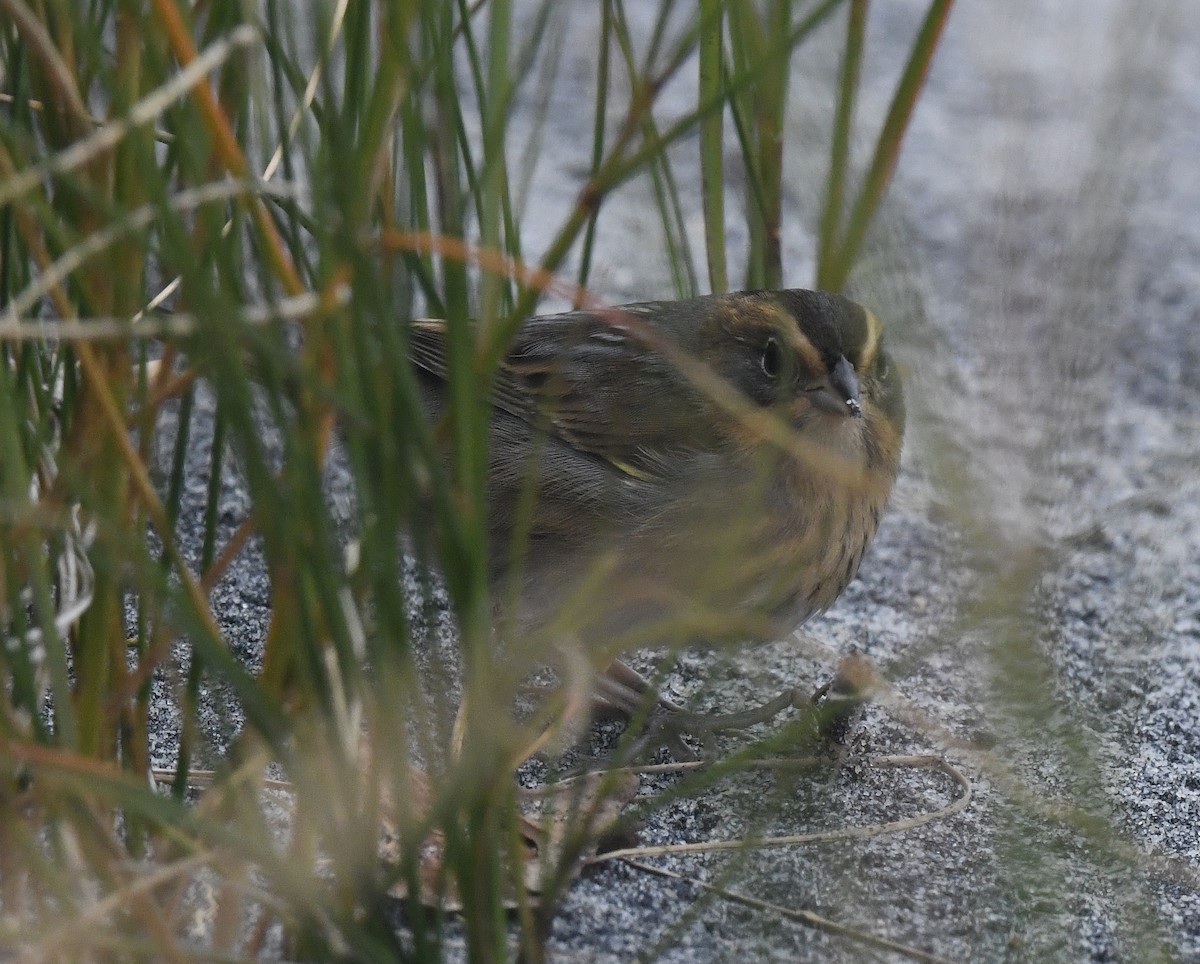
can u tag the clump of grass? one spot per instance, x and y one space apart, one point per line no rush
212 212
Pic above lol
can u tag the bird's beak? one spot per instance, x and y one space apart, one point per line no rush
838 393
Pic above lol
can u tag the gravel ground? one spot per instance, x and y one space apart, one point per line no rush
1034 595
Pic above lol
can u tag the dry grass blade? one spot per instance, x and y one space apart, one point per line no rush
310 93
955 806
179 325
800 916
144 112
143 217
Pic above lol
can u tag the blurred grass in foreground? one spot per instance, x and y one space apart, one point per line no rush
216 205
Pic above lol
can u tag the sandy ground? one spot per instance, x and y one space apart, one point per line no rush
1034 594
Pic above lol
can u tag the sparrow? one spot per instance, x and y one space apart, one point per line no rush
709 470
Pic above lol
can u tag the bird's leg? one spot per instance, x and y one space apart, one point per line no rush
839 706
626 691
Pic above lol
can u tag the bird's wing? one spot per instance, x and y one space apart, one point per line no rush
594 380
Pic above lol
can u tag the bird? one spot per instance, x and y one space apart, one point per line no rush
707 471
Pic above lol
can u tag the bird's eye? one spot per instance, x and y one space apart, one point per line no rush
772 359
